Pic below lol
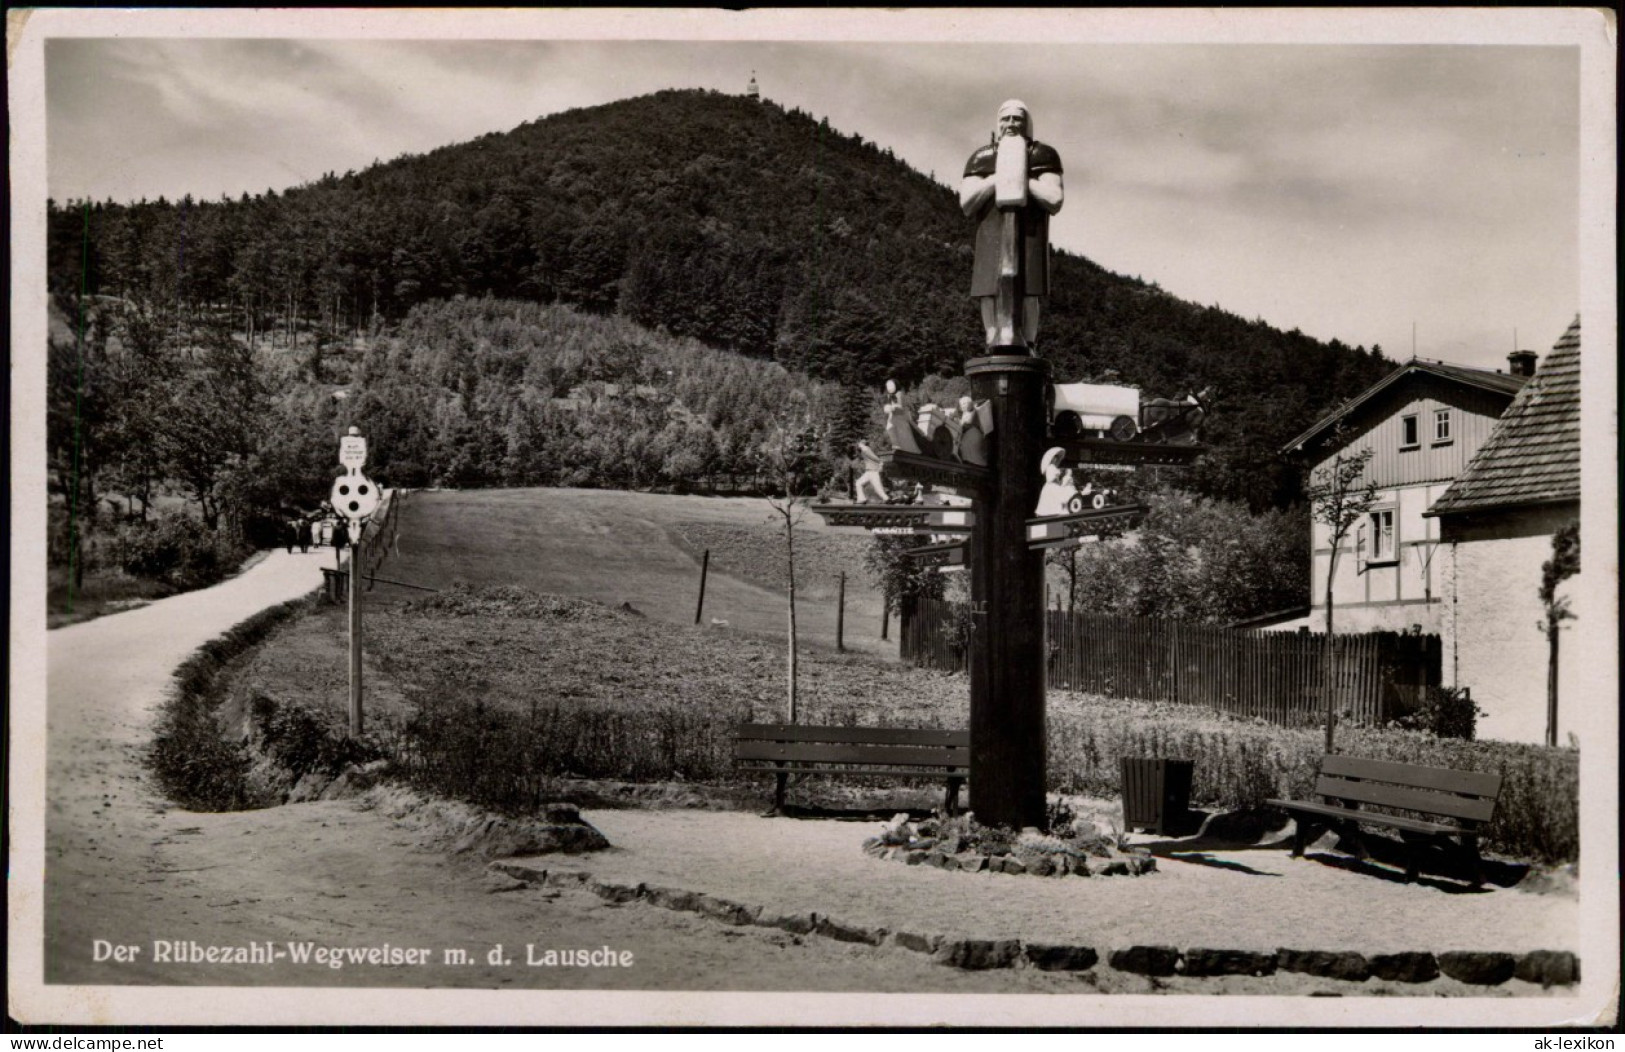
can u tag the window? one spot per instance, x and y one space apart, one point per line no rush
1382 536
1409 432
1441 426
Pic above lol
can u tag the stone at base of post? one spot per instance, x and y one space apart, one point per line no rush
1007 722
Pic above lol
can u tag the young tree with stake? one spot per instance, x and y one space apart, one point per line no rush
792 461
1339 496
1564 563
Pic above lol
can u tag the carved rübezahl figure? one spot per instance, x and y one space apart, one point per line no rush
1011 188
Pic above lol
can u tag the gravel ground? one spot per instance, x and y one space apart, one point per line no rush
1249 899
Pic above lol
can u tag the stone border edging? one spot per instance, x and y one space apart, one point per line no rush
1478 968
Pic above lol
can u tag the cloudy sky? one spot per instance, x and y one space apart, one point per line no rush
1350 190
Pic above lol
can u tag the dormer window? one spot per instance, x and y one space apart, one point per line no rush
1441 427
1410 432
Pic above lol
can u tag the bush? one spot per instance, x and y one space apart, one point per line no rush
300 741
175 549
1447 712
506 761
196 765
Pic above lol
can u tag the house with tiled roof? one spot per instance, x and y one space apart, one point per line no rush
1495 523
1423 423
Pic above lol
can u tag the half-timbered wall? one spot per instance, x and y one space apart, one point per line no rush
1401 588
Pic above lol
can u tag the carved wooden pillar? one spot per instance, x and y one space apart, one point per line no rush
1008 746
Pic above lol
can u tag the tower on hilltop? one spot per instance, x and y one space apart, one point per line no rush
751 90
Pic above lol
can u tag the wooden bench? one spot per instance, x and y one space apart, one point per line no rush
783 749
1453 805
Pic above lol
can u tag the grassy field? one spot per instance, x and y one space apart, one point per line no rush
644 549
103 592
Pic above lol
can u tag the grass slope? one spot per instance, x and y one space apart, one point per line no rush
640 548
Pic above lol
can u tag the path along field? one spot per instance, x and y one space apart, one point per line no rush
644 549
116 862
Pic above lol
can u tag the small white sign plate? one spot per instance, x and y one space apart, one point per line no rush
353 451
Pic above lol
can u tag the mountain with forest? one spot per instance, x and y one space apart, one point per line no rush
703 219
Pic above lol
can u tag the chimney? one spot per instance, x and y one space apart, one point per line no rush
1522 363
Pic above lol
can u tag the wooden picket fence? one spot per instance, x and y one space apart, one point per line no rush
377 542
378 539
1274 676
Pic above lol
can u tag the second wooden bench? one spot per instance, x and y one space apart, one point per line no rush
1449 805
785 749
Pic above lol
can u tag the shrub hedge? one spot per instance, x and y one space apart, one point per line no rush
177 550
1241 765
198 766
508 761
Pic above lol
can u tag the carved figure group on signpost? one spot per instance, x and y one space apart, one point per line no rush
1053 498
1011 187
1119 413
899 429
971 428
870 480
1061 494
950 436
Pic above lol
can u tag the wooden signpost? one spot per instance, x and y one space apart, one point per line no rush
1001 473
1004 547
948 476
1061 531
1007 653
955 553
1098 452
899 518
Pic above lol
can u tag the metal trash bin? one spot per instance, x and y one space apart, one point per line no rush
1156 793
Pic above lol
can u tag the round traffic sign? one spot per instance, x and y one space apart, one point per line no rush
355 496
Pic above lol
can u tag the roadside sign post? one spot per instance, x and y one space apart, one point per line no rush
355 631
355 497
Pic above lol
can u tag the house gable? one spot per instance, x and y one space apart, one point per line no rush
1423 423
1494 390
1422 456
1532 457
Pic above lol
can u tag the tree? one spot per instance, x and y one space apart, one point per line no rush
790 455
211 426
1195 558
1066 559
1564 563
1339 497
901 580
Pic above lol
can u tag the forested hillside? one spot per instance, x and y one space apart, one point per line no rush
505 393
738 224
